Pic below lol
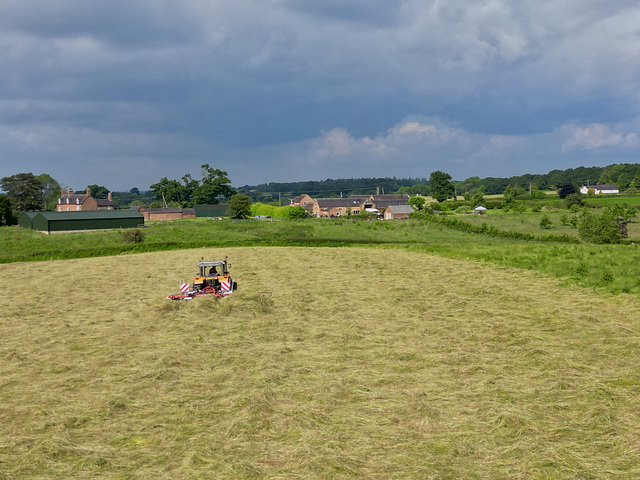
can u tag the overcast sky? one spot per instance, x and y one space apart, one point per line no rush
124 92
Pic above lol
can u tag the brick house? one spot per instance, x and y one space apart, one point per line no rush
336 207
301 201
105 203
304 201
394 212
71 202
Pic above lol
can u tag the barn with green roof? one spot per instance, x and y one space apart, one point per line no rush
51 222
26 219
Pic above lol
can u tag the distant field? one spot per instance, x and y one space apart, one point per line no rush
529 222
612 268
364 363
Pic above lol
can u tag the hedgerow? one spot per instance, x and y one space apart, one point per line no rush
490 230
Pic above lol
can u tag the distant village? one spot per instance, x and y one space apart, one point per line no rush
389 207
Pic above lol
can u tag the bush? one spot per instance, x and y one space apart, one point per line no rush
545 222
132 236
599 228
574 199
573 221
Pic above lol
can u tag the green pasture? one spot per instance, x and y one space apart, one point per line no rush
611 268
529 222
368 363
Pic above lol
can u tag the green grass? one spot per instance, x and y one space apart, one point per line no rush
25 245
611 268
529 222
363 363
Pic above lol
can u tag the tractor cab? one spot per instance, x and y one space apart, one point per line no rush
213 274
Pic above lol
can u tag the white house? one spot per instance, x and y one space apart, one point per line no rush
599 189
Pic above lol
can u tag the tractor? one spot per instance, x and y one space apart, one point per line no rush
213 280
214 277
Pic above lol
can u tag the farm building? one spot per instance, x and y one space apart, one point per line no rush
394 212
50 222
354 204
26 219
336 207
600 189
70 202
167 213
212 210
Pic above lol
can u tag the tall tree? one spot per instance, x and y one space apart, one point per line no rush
50 191
240 205
98 191
24 191
6 215
441 186
215 183
190 191
567 189
169 190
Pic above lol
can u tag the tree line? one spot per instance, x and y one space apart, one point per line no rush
625 176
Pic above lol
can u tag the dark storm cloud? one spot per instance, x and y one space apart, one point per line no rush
295 89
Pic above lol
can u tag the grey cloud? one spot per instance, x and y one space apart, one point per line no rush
256 82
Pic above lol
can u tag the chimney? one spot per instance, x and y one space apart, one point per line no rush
109 196
69 191
62 192
88 192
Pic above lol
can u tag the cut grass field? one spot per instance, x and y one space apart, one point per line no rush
364 363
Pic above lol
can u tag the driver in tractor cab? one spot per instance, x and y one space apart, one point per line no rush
213 272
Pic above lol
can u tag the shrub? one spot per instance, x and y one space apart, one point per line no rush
417 203
292 212
545 222
463 209
132 236
599 228
573 199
